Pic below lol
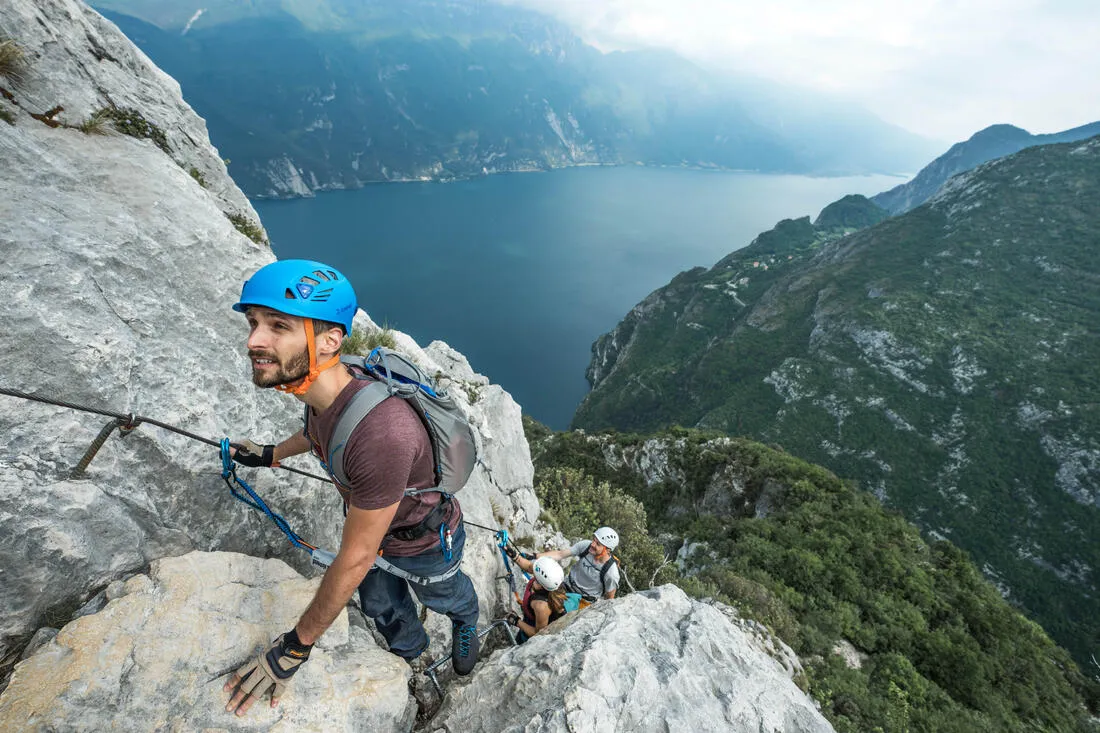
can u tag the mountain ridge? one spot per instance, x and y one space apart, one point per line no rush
987 144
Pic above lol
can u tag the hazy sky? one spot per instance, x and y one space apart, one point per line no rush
941 68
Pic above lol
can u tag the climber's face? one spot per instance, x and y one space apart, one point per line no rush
276 347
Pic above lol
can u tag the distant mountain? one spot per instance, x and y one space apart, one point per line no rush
355 91
993 142
948 359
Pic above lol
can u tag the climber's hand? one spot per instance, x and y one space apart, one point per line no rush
252 454
271 670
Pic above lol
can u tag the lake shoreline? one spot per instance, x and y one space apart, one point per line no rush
330 188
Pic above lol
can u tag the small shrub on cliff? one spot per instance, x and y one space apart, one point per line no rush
361 342
198 176
13 62
7 116
98 123
131 122
247 227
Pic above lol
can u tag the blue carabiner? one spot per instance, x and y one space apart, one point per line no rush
227 461
445 542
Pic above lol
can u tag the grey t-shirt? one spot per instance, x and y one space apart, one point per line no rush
585 574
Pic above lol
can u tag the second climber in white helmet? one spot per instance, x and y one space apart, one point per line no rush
595 575
543 599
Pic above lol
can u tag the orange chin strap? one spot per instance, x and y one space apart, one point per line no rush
302 386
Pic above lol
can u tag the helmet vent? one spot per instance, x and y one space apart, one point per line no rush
326 275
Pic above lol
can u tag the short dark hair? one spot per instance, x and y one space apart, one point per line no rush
320 327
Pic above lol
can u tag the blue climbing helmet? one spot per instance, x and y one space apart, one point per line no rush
302 288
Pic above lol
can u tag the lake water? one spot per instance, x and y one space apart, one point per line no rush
522 272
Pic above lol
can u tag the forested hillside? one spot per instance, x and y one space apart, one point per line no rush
896 633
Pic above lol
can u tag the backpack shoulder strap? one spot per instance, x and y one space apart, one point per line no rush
603 572
357 408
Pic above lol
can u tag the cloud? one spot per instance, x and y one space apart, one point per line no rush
943 68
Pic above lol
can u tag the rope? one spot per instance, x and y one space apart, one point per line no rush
252 499
480 526
502 539
129 421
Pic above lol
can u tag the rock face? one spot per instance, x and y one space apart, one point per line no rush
120 269
652 661
156 658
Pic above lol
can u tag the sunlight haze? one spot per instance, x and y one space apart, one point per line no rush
939 68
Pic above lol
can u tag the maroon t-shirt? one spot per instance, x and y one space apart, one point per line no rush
388 452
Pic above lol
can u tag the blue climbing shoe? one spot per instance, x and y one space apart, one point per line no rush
464 648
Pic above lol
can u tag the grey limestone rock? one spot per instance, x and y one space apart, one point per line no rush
651 661
157 655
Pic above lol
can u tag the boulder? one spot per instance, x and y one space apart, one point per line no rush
158 653
651 661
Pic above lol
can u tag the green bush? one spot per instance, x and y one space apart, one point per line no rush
7 116
13 61
130 121
362 342
247 227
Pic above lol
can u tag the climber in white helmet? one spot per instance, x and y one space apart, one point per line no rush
543 599
595 575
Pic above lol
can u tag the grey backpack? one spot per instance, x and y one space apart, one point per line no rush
454 448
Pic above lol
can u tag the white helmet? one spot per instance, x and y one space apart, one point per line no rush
548 573
607 537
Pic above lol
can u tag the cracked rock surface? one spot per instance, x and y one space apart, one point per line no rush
651 661
156 657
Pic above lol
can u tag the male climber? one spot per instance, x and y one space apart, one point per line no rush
298 314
